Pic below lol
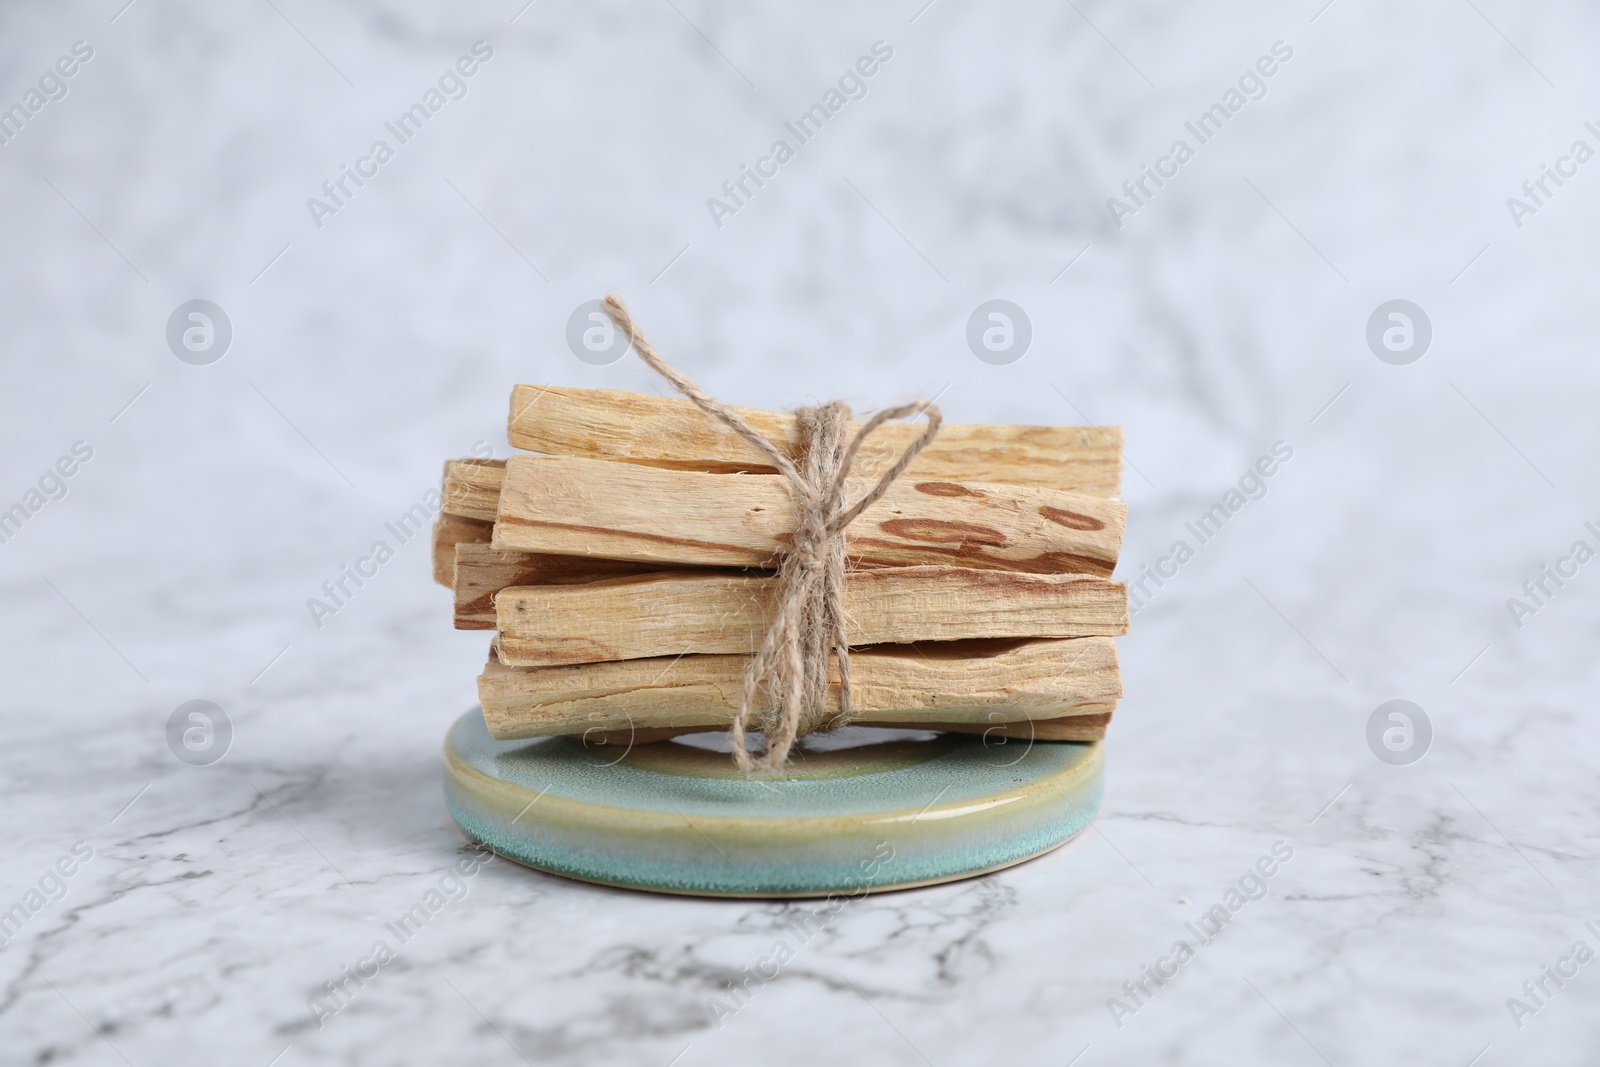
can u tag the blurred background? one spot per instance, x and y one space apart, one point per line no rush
1213 316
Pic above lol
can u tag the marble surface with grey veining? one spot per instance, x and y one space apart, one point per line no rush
1385 159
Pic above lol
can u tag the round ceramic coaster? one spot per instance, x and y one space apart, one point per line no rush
680 818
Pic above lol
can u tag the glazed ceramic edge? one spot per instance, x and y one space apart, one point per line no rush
720 856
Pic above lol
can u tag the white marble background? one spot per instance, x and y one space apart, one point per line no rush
1226 315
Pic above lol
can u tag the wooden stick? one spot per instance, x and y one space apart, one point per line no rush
1089 726
472 488
668 613
1086 726
481 571
448 532
587 507
979 681
672 432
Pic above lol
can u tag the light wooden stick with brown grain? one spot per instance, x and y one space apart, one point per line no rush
668 613
470 498
480 571
672 432
448 532
1087 723
587 507
472 488
977 681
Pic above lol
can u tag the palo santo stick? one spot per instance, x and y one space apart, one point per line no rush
448 532
588 507
481 571
980 681
1088 725
672 432
472 488
665 614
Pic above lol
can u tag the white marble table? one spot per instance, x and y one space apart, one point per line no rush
1226 314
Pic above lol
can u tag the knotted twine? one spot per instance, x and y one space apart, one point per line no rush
788 678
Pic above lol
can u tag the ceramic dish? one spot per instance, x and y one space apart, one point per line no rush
678 817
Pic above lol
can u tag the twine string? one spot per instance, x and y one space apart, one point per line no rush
786 682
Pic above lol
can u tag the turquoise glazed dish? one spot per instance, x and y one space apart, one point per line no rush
680 818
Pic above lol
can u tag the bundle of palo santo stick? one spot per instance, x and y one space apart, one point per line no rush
626 562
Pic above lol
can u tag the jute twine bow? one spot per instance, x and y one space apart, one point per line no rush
788 678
